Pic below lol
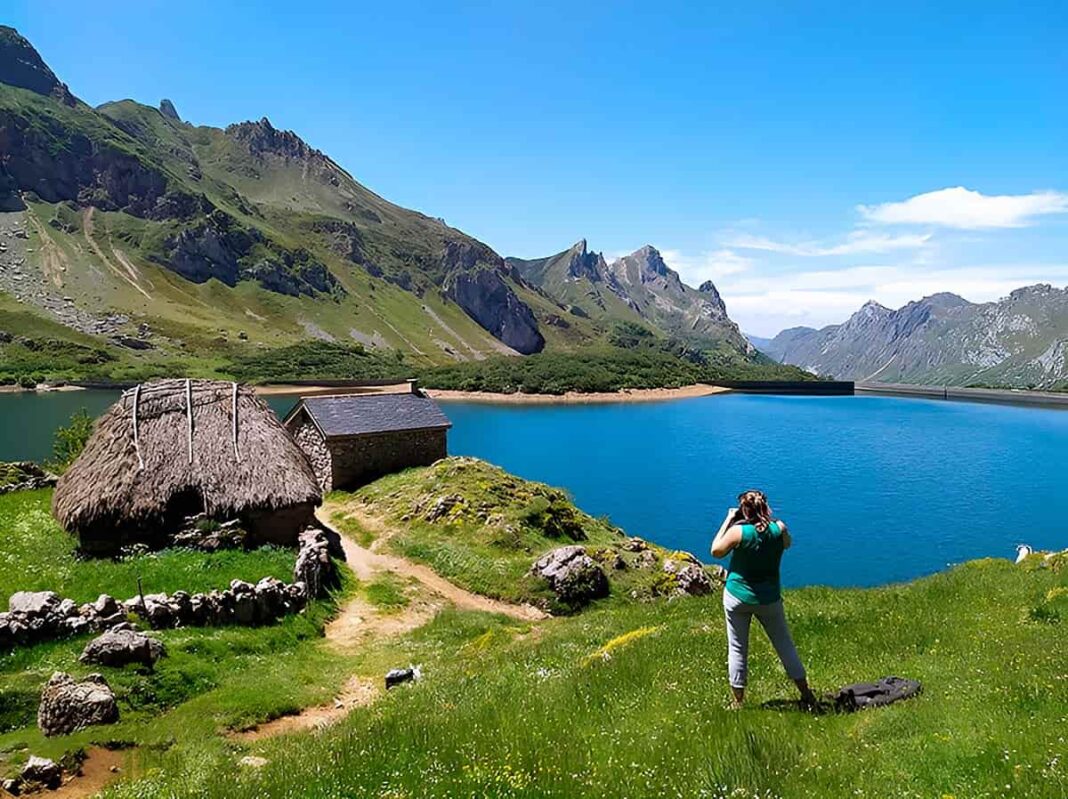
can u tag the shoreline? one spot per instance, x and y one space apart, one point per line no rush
627 395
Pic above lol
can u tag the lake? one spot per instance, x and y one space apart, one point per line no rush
875 489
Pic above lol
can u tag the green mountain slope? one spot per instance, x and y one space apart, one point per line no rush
128 224
1020 341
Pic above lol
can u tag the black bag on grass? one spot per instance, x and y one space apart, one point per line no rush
875 694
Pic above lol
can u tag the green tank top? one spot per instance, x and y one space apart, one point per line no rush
753 573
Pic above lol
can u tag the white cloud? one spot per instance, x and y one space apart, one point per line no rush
716 265
856 243
959 207
767 305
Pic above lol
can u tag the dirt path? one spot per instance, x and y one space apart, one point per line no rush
368 562
100 768
359 620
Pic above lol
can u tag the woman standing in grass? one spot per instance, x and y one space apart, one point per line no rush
757 543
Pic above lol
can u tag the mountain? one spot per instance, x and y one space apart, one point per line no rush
760 342
1019 341
638 288
129 225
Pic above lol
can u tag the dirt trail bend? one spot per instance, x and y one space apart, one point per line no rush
359 620
366 562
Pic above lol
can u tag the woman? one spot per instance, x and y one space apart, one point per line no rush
757 543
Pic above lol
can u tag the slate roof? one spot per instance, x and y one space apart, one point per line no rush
362 414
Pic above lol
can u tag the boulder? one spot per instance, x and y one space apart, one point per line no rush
691 578
40 772
573 575
120 647
635 544
68 705
105 605
34 603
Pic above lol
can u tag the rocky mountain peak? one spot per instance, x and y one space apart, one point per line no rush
583 263
166 107
872 309
263 138
944 300
22 66
1038 290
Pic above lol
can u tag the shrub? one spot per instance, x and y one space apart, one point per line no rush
69 441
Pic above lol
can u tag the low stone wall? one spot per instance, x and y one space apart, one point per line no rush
38 616
24 476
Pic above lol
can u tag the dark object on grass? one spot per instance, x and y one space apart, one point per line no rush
396 677
875 694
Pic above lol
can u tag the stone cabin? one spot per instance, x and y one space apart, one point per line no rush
352 439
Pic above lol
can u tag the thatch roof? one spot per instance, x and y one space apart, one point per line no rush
144 465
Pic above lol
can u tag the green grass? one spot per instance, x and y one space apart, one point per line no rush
211 678
628 698
37 555
503 713
387 592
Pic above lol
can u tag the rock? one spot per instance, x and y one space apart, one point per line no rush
120 647
34 603
24 476
442 506
476 283
646 559
40 772
67 705
572 574
635 544
691 577
314 567
395 677
610 558
106 605
13 786
167 109
252 761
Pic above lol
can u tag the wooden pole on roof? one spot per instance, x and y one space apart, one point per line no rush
189 417
137 441
233 430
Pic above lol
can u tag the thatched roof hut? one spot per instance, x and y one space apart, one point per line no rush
169 449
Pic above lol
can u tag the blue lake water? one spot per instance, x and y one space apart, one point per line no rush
875 489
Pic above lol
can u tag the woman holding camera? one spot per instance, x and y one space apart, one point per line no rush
756 543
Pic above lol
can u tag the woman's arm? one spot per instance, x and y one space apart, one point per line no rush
728 536
786 540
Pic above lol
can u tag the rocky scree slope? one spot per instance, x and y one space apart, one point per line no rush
1019 341
252 207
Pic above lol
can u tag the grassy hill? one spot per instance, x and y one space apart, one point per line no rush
628 697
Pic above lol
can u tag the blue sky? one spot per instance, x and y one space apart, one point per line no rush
804 156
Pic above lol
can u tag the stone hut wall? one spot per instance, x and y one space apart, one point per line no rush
309 439
360 459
